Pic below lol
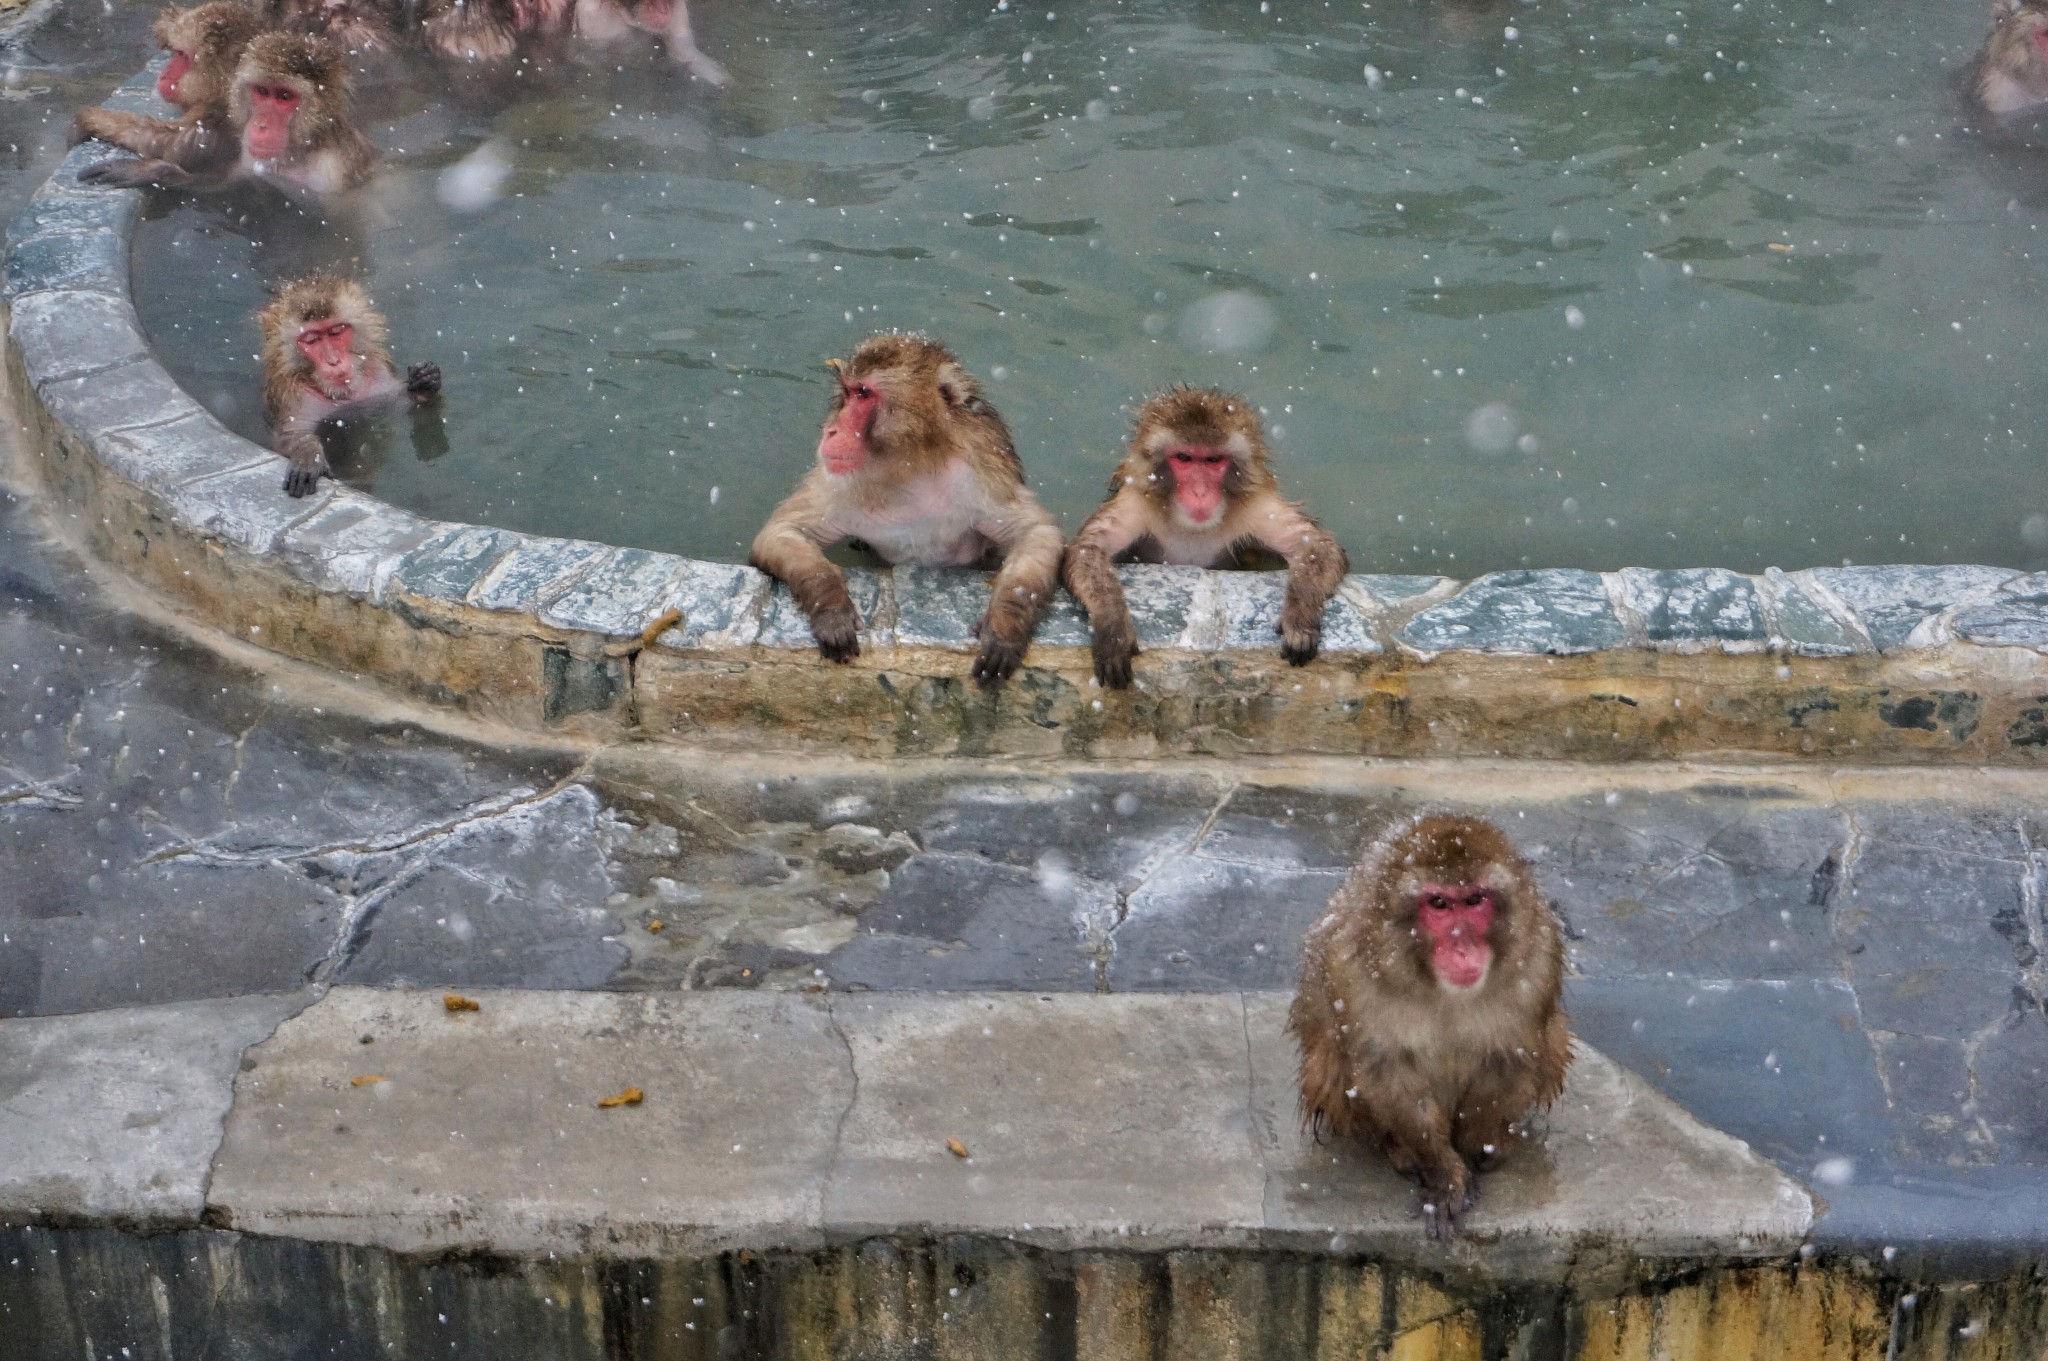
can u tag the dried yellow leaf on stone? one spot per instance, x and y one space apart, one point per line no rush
956 1148
455 1001
367 1080
632 1096
656 925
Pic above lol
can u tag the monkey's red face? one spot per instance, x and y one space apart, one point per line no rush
173 72
844 448
1455 919
270 120
329 346
1198 473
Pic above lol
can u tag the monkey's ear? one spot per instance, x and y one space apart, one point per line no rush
836 365
955 386
2001 10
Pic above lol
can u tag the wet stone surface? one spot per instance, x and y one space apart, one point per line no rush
1557 611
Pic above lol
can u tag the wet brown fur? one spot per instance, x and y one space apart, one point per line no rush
932 424
1440 1082
2009 73
1258 525
357 26
214 35
293 400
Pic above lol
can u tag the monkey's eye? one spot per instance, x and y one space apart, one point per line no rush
1475 899
863 391
1437 902
1183 457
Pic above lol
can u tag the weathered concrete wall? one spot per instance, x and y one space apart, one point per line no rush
1880 664
195 1294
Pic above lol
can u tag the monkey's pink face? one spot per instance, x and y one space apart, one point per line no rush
270 121
173 72
1198 473
329 346
1455 919
844 448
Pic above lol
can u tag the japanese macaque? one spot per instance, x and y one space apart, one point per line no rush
915 464
2010 72
1196 488
205 43
1428 1015
326 356
356 26
292 120
493 30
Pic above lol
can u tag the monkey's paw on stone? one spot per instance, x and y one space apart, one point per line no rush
300 481
1113 661
1299 646
837 629
1442 1211
997 662
423 380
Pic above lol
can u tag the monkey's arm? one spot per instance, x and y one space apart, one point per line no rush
1089 570
789 548
140 174
296 435
1023 587
1417 1131
683 49
161 139
1316 564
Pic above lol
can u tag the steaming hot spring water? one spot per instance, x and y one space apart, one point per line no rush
1514 284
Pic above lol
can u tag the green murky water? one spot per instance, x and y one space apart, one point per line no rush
1553 284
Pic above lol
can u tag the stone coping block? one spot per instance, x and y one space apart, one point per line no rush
767 1120
1867 664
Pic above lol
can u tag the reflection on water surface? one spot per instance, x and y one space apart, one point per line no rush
1548 284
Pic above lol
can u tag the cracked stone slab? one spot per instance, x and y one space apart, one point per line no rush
355 544
57 211
122 398
482 1130
62 334
166 457
785 1120
96 259
1803 624
247 506
721 603
1557 611
784 625
1893 603
1090 1122
114 1116
1696 609
1251 603
2017 616
1622 1171
534 572
448 566
619 597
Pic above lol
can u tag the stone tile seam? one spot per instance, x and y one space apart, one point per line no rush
314 994
1932 630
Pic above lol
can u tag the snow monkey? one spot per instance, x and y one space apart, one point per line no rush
914 463
1428 1015
1196 488
494 30
326 356
205 43
2010 72
357 26
292 120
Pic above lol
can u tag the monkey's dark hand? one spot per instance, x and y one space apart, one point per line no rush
1300 640
999 657
1442 1210
837 629
423 380
1114 647
300 480
130 173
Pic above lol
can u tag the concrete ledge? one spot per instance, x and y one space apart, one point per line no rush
790 1121
1863 664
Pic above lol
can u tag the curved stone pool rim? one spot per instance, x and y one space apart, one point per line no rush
1864 664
